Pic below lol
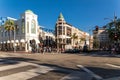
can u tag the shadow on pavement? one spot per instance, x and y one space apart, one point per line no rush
105 73
14 60
60 67
101 54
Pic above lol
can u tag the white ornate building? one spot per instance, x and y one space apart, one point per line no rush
64 33
26 29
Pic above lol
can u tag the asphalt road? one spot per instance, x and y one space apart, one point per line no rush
25 66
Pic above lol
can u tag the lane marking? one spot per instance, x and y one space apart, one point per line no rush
12 66
25 75
19 76
90 72
21 64
113 65
77 75
115 78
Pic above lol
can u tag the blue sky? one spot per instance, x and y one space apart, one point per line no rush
83 14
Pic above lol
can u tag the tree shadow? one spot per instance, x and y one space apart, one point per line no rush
61 69
102 54
14 60
105 72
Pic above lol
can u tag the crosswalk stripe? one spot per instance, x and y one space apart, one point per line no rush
25 75
77 76
19 64
115 78
19 76
90 72
113 65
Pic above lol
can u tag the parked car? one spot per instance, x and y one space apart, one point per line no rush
72 51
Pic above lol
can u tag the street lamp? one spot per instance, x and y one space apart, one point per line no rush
90 37
2 38
114 22
15 38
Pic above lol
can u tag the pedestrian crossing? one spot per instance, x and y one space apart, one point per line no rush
21 70
25 75
24 71
18 71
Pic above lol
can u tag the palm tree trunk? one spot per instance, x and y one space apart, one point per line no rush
73 43
9 40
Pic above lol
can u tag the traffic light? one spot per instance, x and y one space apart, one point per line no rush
96 28
30 41
115 36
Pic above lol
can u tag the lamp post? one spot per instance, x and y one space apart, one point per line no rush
89 40
115 32
15 38
2 32
90 37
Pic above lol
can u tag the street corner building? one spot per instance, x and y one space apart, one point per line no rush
26 30
68 36
28 35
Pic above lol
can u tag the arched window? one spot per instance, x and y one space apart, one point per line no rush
23 26
33 27
27 27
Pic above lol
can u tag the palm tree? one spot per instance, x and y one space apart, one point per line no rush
82 39
96 43
9 26
74 37
114 29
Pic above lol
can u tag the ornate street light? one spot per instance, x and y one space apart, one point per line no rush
114 20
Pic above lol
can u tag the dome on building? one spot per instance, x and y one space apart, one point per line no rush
29 11
118 19
61 16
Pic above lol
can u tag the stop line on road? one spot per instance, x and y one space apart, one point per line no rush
97 77
90 73
27 71
35 70
21 70
113 65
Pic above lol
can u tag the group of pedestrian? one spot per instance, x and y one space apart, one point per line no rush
42 50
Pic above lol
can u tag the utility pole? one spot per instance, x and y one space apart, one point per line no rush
14 38
89 39
114 20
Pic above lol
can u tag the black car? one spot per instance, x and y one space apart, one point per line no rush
72 51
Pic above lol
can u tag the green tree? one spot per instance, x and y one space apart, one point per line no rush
74 37
82 39
9 26
96 43
114 30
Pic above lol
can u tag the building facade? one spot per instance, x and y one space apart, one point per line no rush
47 37
4 19
64 33
26 29
102 37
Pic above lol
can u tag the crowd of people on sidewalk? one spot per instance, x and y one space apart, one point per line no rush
42 50
112 49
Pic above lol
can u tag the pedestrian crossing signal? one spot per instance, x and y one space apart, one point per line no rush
115 37
96 28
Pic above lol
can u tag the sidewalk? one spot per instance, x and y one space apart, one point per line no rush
103 54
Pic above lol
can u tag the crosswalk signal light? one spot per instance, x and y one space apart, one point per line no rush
96 28
115 37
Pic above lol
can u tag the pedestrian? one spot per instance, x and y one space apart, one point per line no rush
113 50
44 50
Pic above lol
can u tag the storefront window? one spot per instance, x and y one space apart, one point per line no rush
33 27
27 27
23 26
60 30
